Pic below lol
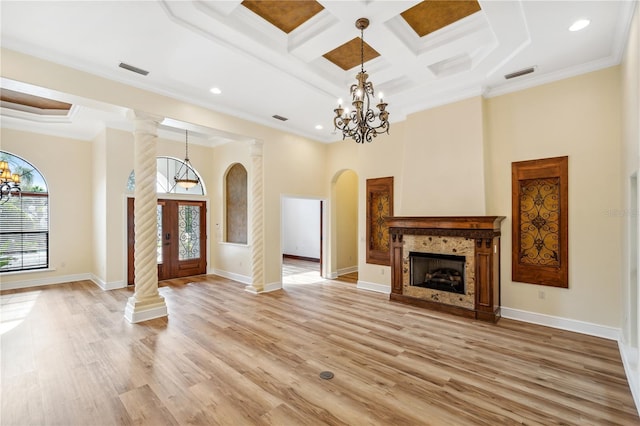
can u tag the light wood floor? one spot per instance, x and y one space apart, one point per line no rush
226 356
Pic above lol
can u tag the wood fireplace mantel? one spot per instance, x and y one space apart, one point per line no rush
484 230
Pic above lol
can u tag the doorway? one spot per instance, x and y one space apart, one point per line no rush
302 251
182 239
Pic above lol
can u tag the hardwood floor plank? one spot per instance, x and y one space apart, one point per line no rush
145 407
225 356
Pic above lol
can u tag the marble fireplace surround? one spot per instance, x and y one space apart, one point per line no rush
477 238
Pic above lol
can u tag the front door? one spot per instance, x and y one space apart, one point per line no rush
182 239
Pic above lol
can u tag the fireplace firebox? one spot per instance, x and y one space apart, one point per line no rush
437 271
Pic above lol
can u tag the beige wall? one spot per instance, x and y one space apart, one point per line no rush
119 163
99 206
578 117
436 160
479 139
443 171
66 165
292 166
228 259
346 221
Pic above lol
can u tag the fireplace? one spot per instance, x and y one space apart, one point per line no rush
437 271
449 264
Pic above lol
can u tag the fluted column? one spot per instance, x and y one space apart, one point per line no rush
257 220
146 303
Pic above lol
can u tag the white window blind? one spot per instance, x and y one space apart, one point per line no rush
24 232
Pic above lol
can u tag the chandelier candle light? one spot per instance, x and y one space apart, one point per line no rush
9 183
362 124
183 177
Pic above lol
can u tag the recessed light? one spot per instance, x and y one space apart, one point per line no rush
215 90
579 25
318 127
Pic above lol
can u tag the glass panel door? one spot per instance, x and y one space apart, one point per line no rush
188 232
181 237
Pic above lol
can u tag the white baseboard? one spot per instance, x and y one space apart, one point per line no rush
272 287
231 275
379 288
632 370
266 289
45 281
348 270
107 286
591 329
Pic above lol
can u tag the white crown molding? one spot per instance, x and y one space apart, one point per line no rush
534 81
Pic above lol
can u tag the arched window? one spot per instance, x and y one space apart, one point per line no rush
24 220
165 183
236 204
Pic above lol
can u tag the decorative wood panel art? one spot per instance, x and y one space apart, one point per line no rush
379 207
540 222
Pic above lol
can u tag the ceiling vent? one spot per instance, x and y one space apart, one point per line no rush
520 73
279 117
133 69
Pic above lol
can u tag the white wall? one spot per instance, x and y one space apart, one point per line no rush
301 227
628 214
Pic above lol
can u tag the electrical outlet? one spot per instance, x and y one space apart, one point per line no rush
541 295
381 271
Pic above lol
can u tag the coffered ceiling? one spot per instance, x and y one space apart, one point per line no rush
294 59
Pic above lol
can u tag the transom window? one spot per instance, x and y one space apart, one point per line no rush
24 220
165 183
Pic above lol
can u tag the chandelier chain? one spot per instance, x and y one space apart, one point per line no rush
186 140
361 49
183 175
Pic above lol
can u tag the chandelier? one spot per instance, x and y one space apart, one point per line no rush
9 183
363 123
185 176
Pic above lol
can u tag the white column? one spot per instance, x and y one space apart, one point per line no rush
146 303
257 220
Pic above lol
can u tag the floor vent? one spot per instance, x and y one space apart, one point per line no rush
133 69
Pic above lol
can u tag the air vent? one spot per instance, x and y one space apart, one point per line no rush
279 117
133 69
520 73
